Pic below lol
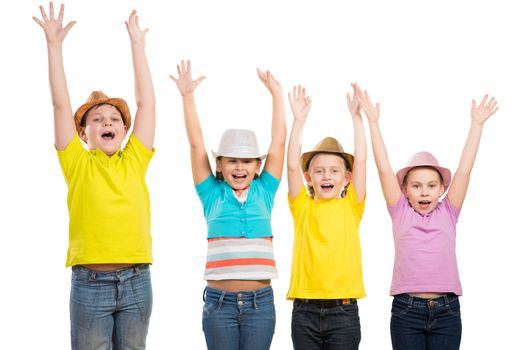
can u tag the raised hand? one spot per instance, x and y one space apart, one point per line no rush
55 33
485 109
185 83
300 102
372 111
269 82
353 101
137 36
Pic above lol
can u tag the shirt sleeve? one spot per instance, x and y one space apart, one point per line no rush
398 206
296 205
136 150
270 183
358 207
453 212
69 156
205 189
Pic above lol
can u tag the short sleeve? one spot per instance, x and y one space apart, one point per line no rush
358 207
206 188
69 156
453 212
296 205
398 206
270 184
136 150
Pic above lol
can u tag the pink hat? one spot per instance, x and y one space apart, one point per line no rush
424 159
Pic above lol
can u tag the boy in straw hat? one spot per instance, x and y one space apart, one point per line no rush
425 285
108 201
239 311
326 273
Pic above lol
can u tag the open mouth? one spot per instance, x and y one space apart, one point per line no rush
239 177
424 204
108 135
327 187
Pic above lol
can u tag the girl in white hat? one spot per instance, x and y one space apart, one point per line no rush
239 312
426 284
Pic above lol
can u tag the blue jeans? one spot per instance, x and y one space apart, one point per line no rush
110 310
325 327
238 320
425 324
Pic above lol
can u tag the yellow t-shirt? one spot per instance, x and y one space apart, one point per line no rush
108 202
326 253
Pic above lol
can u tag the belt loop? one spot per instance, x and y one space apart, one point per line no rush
410 301
204 295
255 300
446 300
92 276
221 299
136 269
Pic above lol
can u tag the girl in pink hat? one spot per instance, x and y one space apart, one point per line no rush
426 285
239 311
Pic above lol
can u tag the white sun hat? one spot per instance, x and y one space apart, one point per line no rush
238 143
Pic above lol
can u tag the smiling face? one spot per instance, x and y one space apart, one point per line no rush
104 129
423 187
327 175
238 172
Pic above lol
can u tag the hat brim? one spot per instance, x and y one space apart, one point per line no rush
237 155
444 172
307 156
118 103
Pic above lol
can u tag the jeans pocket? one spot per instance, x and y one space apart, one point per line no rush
453 308
83 303
143 294
210 307
399 308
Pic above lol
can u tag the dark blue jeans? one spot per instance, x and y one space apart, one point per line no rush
317 327
110 310
240 320
425 324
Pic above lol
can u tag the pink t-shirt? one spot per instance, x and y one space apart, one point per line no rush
425 259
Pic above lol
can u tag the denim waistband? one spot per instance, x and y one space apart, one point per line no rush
327 303
412 301
82 272
246 295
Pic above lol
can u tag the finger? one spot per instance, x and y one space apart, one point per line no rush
473 104
183 66
308 100
377 106
295 92
40 23
51 11
199 80
492 103
178 71
483 100
494 111
173 78
492 106
61 13
69 26
260 74
44 15
188 67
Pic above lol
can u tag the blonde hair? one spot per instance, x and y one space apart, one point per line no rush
347 166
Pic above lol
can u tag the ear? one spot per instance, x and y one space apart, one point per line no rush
348 176
82 134
404 190
259 164
442 190
307 177
218 165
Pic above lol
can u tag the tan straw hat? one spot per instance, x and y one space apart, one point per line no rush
98 98
424 159
326 145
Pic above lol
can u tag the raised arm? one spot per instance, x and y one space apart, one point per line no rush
186 85
359 162
277 148
460 182
55 34
390 186
144 127
300 106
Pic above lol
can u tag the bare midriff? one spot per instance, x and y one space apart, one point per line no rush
427 295
238 285
107 267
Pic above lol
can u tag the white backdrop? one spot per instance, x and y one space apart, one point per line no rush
422 61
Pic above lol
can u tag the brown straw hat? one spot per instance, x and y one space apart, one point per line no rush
98 98
326 145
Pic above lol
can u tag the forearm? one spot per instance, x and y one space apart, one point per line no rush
192 123
360 157
469 153
57 79
144 92
295 145
278 122
379 148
